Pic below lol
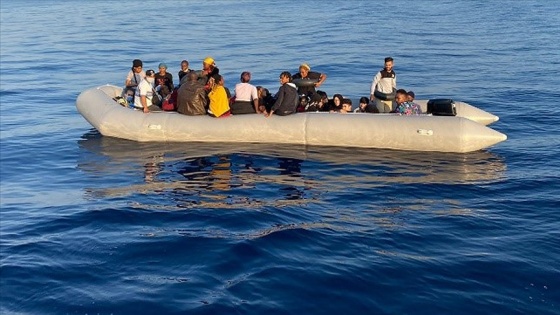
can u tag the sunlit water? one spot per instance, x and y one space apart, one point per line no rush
94 225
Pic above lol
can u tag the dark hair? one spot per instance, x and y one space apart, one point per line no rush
388 59
245 76
364 99
322 93
286 74
150 72
217 78
339 96
136 63
401 91
184 61
411 94
346 101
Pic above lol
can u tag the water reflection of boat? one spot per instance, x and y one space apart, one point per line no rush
340 165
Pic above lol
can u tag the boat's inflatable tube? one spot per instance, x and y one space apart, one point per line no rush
304 82
465 110
385 131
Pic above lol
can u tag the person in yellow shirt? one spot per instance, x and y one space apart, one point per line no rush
219 102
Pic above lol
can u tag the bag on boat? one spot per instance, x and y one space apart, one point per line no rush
442 107
121 100
170 102
156 99
384 96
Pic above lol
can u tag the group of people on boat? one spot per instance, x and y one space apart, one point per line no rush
203 92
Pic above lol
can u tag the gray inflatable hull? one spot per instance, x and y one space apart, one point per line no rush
383 131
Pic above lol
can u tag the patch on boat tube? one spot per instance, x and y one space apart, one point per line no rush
154 127
425 132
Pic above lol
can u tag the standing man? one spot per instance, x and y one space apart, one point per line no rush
383 87
305 73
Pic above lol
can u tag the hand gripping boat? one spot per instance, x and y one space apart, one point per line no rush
383 131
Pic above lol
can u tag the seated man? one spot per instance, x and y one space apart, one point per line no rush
404 107
145 93
346 106
287 97
184 70
410 96
191 96
246 96
365 106
306 73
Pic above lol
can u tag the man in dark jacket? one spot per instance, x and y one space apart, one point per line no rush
191 96
287 97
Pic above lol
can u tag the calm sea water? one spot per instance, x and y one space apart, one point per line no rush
94 225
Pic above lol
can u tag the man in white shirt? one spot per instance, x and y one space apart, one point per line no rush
145 93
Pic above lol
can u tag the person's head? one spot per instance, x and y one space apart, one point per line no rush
137 65
324 97
410 96
316 98
245 76
150 76
192 76
337 100
347 104
218 79
389 63
208 63
364 101
162 67
184 65
285 77
303 100
304 70
401 96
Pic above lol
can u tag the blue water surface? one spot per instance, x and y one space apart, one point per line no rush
95 225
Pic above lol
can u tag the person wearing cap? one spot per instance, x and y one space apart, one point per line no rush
383 87
305 73
246 96
410 96
184 70
133 78
287 97
145 93
164 81
209 70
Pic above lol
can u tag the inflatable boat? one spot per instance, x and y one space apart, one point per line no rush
459 133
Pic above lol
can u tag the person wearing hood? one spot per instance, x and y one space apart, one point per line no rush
145 92
287 97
